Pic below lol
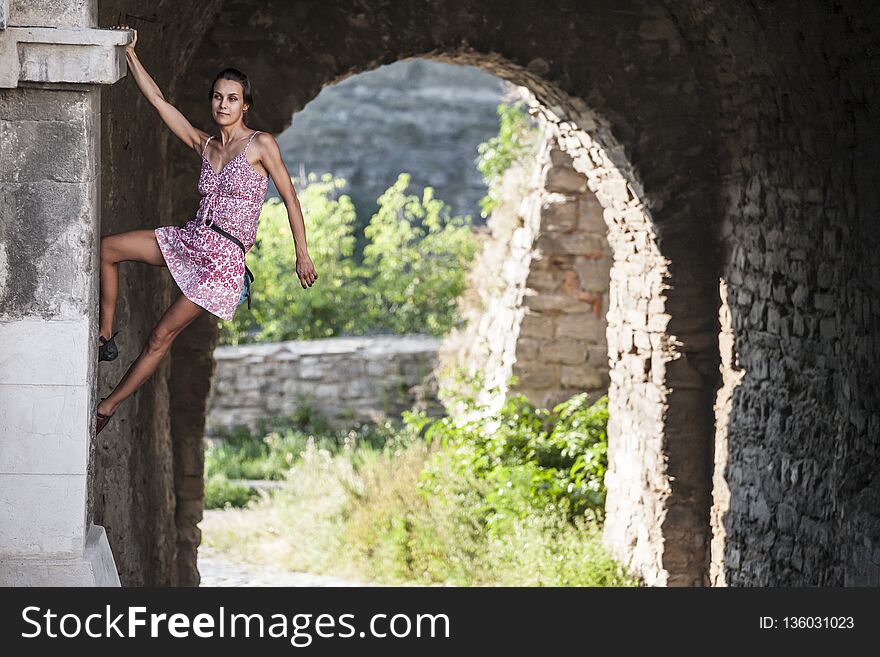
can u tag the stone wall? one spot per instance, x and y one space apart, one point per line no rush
561 348
347 379
538 289
798 433
147 489
724 140
51 63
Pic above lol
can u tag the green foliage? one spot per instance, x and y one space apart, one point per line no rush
514 140
413 271
533 460
243 454
417 258
513 499
220 493
282 308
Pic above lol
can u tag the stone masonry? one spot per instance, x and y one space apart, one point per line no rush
732 146
561 348
347 379
538 290
52 62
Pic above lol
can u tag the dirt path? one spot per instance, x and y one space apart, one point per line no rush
217 570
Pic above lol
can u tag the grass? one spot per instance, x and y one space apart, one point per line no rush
357 511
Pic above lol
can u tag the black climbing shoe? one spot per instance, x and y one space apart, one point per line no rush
108 349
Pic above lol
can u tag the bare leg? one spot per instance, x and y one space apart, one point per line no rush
178 316
134 245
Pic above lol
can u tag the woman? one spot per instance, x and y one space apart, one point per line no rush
206 256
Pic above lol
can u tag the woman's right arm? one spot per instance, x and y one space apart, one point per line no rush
180 126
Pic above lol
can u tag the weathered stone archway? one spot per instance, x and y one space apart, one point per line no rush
704 137
632 192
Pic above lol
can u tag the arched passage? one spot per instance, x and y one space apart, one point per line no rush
652 104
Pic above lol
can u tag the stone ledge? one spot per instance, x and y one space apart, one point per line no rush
61 54
96 567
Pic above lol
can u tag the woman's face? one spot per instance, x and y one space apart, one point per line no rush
227 102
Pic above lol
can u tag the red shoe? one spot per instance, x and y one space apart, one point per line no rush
102 419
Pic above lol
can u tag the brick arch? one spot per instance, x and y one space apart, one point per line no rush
626 140
684 143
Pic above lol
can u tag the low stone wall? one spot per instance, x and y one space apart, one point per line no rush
347 379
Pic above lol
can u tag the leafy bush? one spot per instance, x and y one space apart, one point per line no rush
515 139
416 259
510 500
513 498
282 309
532 460
220 493
413 270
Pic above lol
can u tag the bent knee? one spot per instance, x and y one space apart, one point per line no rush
160 339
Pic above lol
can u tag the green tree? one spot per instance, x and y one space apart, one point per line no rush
416 259
282 309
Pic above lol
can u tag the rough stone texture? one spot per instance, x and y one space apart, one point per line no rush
799 451
60 13
724 140
61 55
486 346
538 290
49 209
347 379
142 461
566 296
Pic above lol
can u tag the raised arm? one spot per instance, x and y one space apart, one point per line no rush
180 126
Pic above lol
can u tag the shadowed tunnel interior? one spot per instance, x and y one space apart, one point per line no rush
731 145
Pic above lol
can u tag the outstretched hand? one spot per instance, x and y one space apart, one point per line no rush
131 45
306 271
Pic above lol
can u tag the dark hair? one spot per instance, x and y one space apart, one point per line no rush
238 76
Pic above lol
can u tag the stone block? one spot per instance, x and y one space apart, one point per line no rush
44 428
33 151
571 243
536 325
316 367
591 215
536 374
62 54
52 260
584 377
615 189
828 328
559 214
594 273
527 348
560 158
564 180
55 352
45 515
570 351
544 280
582 326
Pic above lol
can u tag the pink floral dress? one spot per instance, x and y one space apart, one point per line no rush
208 267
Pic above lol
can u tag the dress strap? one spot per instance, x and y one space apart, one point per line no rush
210 137
250 140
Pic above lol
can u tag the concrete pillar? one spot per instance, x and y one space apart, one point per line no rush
49 235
